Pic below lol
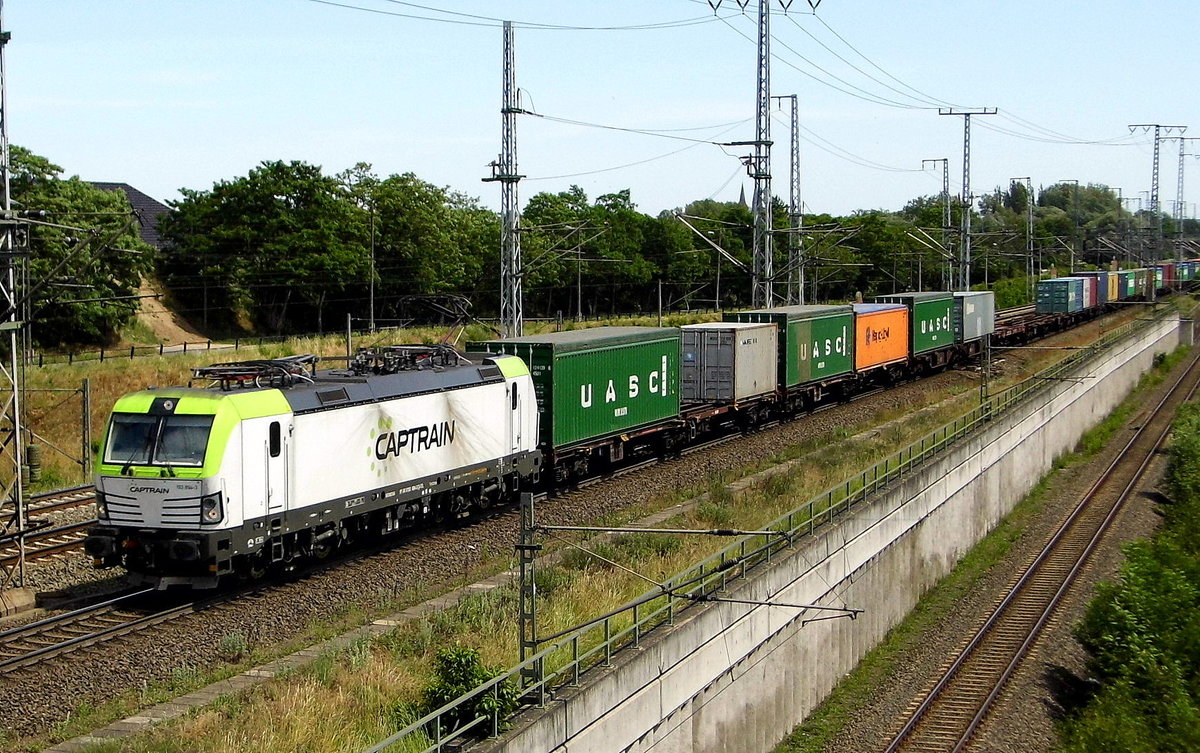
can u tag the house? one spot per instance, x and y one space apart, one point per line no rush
147 210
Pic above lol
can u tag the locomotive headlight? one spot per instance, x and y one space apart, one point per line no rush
101 505
211 508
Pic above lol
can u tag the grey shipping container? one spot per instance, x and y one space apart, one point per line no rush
724 362
974 315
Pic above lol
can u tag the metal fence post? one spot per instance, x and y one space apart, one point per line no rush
86 455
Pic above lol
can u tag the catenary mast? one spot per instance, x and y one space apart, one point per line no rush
504 171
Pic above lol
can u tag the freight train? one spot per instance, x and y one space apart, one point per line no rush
1089 291
275 462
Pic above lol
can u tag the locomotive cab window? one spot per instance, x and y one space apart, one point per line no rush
138 439
275 442
130 439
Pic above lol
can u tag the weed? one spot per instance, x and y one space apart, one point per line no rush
232 647
359 652
714 514
184 678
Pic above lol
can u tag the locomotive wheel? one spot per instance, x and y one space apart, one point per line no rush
256 567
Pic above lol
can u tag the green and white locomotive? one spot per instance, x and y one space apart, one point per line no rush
276 462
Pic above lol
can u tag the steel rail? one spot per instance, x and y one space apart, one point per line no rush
35 548
62 499
42 631
936 694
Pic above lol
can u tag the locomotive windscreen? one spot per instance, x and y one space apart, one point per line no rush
139 439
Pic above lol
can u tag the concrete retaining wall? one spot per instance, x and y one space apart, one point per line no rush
735 677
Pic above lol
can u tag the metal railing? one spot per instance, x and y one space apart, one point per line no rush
564 660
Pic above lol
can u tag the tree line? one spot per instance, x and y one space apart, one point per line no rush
288 248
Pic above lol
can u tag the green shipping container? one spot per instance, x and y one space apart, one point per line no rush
600 382
930 318
815 342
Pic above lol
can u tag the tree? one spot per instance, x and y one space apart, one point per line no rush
255 247
86 260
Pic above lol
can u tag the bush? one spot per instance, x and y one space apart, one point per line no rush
1143 631
457 671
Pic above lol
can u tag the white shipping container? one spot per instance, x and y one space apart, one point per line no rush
724 362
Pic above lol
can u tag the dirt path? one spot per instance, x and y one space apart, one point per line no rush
168 327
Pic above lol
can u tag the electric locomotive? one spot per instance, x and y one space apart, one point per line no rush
275 462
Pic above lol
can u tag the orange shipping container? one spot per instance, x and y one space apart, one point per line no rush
880 334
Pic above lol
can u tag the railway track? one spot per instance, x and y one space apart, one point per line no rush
42 537
949 713
61 634
61 499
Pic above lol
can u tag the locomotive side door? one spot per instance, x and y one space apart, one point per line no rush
275 462
514 416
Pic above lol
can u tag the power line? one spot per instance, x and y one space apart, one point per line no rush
827 146
695 143
875 65
468 19
865 96
659 133
924 101
1048 135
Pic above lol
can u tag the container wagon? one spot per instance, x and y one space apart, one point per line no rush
931 326
974 319
1106 288
816 349
1126 285
880 338
728 363
1060 295
601 393
1091 292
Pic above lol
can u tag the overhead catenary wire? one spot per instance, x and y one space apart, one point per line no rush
927 102
827 146
863 94
659 133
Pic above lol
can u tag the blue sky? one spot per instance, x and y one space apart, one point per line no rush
164 94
